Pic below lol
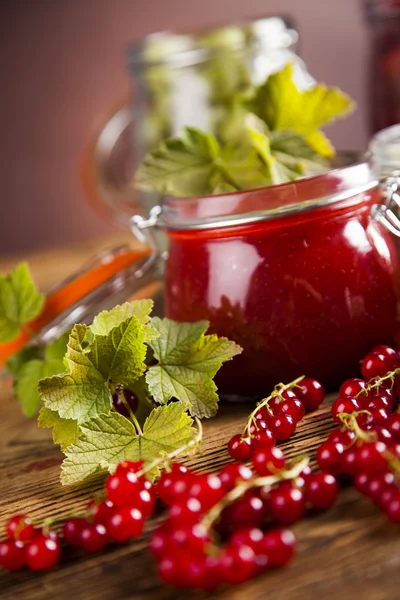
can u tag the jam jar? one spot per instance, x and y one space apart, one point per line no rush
305 276
384 70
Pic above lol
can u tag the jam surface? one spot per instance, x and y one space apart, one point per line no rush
307 294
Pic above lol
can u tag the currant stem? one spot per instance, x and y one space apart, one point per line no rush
195 441
281 387
375 382
349 420
298 465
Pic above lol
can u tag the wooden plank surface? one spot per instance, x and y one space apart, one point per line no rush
349 552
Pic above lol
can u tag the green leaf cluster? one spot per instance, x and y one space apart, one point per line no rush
113 354
264 135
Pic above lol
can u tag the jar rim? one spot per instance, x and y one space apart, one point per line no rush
177 49
270 202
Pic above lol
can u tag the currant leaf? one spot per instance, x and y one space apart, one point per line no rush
187 362
81 393
26 383
109 439
20 302
105 321
65 431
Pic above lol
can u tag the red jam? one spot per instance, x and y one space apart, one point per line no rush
309 293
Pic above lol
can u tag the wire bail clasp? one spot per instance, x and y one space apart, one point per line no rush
143 228
388 213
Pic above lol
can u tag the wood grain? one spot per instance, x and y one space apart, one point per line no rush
349 552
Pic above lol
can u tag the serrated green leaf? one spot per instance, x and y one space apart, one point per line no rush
65 431
108 319
119 356
282 105
109 439
82 393
26 384
188 360
180 166
20 302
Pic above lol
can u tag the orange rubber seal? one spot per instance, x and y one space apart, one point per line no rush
67 295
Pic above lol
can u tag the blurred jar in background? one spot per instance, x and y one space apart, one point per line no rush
384 71
182 80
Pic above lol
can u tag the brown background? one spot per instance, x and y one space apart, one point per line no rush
62 65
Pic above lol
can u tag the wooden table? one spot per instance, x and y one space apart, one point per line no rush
349 552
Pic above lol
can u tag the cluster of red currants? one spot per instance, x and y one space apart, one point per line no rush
130 500
367 445
276 417
232 507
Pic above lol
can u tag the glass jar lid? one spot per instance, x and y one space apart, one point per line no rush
384 150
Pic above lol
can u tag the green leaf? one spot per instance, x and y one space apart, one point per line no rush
109 439
282 105
65 431
20 302
26 384
293 156
82 393
107 320
180 166
187 362
26 354
58 348
119 356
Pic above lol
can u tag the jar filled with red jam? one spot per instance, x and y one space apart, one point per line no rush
384 71
305 276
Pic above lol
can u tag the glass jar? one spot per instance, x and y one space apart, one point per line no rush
305 276
180 80
384 72
384 149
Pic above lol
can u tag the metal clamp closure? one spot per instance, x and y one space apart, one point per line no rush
388 213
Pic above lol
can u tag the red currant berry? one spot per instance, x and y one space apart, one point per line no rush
377 485
237 565
12 555
361 482
134 466
351 387
342 436
311 393
248 536
124 523
249 511
282 426
20 528
370 458
392 508
239 448
258 425
42 553
346 405
279 546
379 416
232 473
173 486
191 538
72 531
376 364
349 461
93 537
123 488
393 426
321 491
262 439
268 461
329 457
383 434
207 489
160 543
101 512
292 407
286 505
186 513
170 569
